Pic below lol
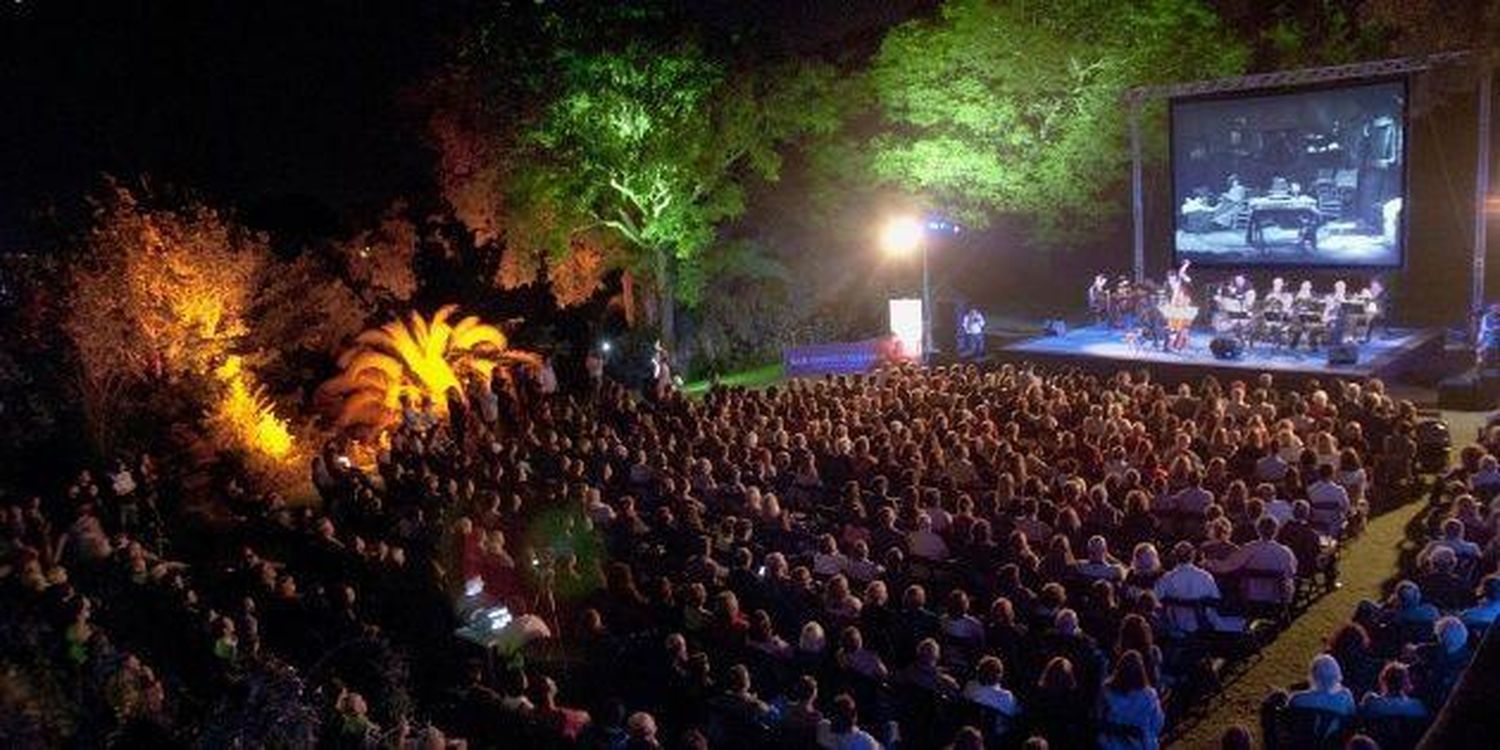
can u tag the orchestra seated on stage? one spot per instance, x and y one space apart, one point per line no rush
1160 315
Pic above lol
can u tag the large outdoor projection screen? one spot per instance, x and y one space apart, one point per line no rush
1303 177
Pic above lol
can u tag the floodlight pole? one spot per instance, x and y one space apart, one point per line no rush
1481 191
926 307
1137 209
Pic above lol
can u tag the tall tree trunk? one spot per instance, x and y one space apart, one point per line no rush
666 300
627 297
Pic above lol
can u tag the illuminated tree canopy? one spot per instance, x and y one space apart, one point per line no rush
1015 106
654 145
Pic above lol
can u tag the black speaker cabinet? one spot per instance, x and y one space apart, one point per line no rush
1343 354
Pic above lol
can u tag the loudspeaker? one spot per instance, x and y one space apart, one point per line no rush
1463 392
1224 347
1343 354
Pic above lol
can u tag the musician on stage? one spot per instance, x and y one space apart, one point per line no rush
1487 350
1374 297
1179 297
1177 289
1099 298
1281 294
1334 314
1310 312
1239 288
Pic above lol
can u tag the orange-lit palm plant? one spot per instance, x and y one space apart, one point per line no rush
417 358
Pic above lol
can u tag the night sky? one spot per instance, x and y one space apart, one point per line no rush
270 106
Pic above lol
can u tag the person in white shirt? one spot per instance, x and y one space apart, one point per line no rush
1275 507
973 328
1330 503
925 543
1186 582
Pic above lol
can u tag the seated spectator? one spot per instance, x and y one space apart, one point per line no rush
1273 504
1080 649
1330 502
1266 557
1351 646
640 730
1053 705
957 625
986 690
1135 634
1486 481
860 567
1186 583
567 723
1145 567
1218 547
1305 541
738 701
926 671
1393 698
925 543
1100 565
1482 615
801 717
1452 539
1130 701
1438 665
841 730
827 560
853 656
1405 611
1325 689
1442 585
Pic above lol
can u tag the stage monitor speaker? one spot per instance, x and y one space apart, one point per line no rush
1343 354
1224 347
1463 392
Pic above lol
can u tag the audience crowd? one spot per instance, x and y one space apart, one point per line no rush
1387 671
915 558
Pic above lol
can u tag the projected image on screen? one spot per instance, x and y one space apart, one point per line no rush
1308 178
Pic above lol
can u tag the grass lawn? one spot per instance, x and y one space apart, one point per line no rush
756 377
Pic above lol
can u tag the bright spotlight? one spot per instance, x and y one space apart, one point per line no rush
901 235
605 347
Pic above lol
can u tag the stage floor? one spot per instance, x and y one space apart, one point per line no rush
1383 356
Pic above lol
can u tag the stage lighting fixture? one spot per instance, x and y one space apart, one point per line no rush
901 235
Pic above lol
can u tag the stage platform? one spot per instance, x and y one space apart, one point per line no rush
1102 348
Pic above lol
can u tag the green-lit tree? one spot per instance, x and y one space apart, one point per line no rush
1016 106
655 145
